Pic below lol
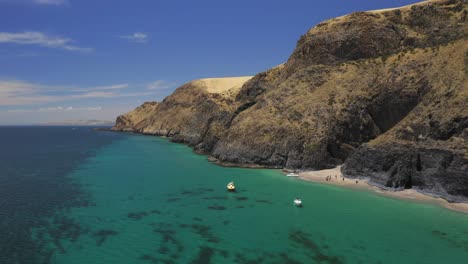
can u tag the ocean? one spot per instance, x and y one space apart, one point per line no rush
76 195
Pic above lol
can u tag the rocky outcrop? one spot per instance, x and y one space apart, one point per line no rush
439 172
136 118
197 113
383 91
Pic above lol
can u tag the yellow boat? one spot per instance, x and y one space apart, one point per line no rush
231 187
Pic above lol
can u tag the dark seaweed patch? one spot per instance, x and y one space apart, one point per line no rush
438 233
318 255
240 206
163 250
217 207
59 229
223 253
58 245
155 260
197 191
137 215
242 198
264 201
205 254
215 198
453 242
174 256
171 200
155 212
276 258
197 219
35 187
242 259
285 259
168 238
205 233
226 222
149 258
102 235
66 228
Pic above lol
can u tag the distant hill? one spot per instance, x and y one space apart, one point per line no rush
79 123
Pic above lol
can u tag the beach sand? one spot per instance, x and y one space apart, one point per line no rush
363 184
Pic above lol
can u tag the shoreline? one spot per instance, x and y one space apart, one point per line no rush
320 176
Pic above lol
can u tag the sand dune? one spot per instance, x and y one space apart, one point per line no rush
221 85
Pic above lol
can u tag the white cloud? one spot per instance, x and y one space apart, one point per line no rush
13 92
50 2
40 39
55 109
38 2
100 88
158 85
67 109
137 37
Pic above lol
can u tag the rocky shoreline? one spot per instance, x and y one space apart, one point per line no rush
382 92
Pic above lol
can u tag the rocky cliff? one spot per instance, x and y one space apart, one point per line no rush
383 91
197 113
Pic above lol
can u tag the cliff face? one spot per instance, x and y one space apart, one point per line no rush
384 91
197 113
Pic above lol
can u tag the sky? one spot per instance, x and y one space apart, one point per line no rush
96 59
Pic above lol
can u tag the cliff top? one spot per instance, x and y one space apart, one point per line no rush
402 8
221 85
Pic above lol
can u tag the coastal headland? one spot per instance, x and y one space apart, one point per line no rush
382 93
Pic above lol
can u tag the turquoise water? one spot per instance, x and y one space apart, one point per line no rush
147 200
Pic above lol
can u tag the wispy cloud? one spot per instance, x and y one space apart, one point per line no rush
41 39
14 92
50 2
137 37
103 88
55 109
37 2
159 85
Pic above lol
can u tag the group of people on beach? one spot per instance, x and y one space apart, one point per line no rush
329 178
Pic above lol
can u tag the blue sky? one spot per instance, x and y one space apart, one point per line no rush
95 59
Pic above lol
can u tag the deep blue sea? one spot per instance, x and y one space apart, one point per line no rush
34 185
76 195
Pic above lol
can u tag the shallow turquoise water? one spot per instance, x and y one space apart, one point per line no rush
153 201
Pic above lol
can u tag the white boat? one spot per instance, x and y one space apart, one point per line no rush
292 174
231 187
298 202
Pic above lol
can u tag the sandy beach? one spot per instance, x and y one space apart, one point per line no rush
363 184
